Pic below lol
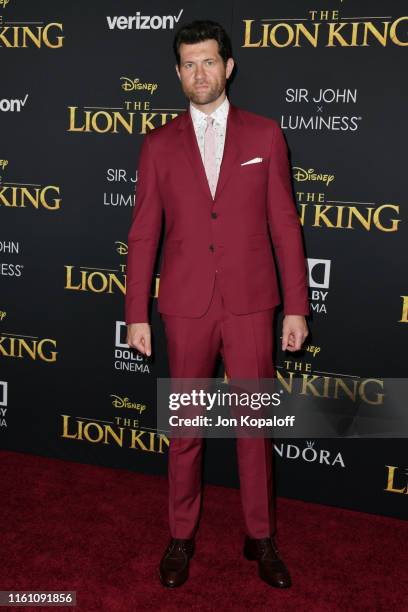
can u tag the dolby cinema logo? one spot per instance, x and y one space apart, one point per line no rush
3 393
319 283
3 403
143 22
128 359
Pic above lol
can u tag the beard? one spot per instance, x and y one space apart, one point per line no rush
206 96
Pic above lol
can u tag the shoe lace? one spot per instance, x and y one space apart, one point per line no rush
176 547
268 549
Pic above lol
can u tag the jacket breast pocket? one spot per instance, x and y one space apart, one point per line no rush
256 166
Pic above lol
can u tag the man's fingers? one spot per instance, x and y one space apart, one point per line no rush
298 340
291 344
144 345
141 342
147 345
293 340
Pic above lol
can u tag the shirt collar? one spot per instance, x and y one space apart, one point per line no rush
220 114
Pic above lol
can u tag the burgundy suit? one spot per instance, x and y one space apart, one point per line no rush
218 284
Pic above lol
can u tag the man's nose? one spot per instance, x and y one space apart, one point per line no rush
199 73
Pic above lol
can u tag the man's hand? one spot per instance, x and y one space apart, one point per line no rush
294 332
139 337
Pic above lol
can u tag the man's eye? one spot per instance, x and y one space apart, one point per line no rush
210 62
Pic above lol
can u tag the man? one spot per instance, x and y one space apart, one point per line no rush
222 178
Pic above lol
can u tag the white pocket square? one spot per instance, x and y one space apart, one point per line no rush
255 160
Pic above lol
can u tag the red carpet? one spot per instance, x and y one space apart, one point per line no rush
102 531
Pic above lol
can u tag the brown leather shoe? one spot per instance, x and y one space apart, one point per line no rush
174 564
271 568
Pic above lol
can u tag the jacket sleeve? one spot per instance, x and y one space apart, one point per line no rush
285 228
143 237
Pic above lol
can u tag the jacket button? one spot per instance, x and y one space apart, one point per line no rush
211 247
214 215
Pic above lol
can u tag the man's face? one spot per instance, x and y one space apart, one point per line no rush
202 71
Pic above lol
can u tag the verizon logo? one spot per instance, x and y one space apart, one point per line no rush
144 22
13 106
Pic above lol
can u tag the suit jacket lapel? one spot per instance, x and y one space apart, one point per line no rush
230 156
232 149
193 154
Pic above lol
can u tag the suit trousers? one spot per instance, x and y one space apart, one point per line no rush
193 345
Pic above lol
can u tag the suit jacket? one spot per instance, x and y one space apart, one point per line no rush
230 234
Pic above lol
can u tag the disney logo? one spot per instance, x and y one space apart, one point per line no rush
122 247
137 84
315 350
124 402
310 175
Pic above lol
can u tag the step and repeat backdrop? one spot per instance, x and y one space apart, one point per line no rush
81 83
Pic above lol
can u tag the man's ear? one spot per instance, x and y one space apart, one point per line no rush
178 71
229 67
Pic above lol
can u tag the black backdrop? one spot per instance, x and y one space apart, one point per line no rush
80 84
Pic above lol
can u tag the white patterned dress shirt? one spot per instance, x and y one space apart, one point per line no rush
220 116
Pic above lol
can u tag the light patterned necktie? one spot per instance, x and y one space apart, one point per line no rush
210 155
